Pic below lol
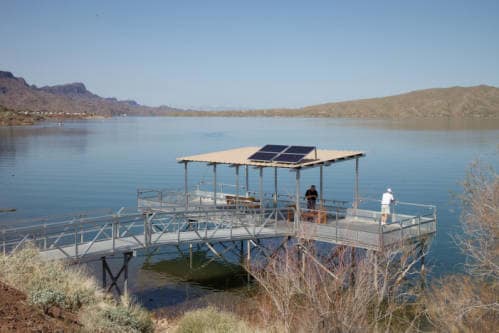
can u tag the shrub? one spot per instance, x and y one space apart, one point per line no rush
46 298
211 320
122 317
51 283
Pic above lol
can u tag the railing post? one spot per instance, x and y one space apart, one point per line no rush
113 232
3 236
147 240
76 240
419 226
44 236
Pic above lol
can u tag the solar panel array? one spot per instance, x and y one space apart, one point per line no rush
281 154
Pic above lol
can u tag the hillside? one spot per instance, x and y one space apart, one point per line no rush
73 98
456 102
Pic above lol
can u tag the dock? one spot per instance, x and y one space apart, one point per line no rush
176 218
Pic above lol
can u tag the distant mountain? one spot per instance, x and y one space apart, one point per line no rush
457 102
16 94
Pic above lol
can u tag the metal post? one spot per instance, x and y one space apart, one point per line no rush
352 266
275 187
303 262
104 274
237 186
44 236
248 259
215 184
261 198
375 254
147 235
76 241
297 203
356 189
321 188
246 176
186 186
190 255
126 258
261 190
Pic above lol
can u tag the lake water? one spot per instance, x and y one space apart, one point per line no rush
85 165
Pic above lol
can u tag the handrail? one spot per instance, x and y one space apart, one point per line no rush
397 202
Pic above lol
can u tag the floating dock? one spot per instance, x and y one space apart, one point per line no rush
176 218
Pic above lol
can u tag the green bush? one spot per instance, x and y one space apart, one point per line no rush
46 298
53 283
111 317
211 320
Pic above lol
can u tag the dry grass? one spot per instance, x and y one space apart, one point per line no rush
211 320
53 283
471 303
370 295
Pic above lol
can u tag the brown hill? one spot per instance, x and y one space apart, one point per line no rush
457 102
74 98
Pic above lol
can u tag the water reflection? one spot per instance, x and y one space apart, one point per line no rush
437 124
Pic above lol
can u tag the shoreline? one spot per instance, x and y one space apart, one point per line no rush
27 118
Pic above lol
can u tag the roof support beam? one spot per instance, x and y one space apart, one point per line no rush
275 187
237 186
246 175
297 203
356 188
321 188
186 186
215 185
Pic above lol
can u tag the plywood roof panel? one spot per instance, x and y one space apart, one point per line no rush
239 156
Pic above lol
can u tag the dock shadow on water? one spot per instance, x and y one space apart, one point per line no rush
166 282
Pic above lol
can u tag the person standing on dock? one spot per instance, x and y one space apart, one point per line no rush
386 201
311 196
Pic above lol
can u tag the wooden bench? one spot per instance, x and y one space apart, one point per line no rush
249 202
317 216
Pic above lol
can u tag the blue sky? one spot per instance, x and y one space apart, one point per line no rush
251 54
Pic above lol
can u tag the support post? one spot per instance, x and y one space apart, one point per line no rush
356 189
237 187
297 196
261 190
126 259
303 262
106 270
246 176
215 185
190 255
104 274
186 186
352 266
248 259
275 187
321 186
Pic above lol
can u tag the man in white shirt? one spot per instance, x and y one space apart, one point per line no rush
386 201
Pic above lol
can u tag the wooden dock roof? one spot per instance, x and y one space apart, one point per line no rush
239 156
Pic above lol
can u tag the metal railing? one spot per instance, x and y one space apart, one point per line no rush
81 236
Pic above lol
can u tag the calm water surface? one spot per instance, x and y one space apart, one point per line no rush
49 170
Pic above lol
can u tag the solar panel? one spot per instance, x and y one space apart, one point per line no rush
302 150
289 158
262 156
281 153
274 148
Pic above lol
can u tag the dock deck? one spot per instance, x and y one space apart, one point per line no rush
159 224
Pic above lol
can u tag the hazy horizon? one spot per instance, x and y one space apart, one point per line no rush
222 55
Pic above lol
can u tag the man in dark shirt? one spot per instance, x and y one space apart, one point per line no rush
311 196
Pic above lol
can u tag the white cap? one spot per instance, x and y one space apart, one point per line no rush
389 190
